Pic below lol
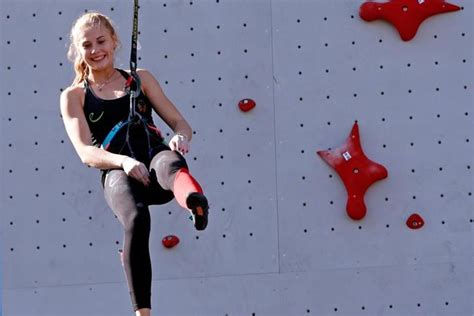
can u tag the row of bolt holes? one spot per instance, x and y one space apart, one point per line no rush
245 51
117 242
381 92
308 311
380 40
223 209
197 237
299 72
111 9
250 208
245 25
248 129
247 77
223 236
190 3
249 155
250 181
405 8
355 171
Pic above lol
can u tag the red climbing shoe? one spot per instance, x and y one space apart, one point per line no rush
199 206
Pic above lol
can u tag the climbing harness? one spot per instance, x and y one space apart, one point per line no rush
133 88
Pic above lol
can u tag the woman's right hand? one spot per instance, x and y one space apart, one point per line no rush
136 170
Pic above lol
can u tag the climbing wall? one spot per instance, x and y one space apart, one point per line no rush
280 241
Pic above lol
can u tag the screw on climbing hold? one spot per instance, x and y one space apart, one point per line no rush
415 221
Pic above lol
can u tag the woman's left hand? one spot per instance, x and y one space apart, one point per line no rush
179 143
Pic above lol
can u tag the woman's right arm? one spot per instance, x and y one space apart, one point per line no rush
71 102
80 135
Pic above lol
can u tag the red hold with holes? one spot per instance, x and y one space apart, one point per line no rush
405 15
415 221
170 241
246 105
356 171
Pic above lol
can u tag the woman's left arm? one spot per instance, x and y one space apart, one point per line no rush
163 106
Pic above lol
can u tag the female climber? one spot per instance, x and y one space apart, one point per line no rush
138 168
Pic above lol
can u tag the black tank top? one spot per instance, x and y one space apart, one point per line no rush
102 115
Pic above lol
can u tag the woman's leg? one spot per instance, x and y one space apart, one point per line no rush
172 174
123 196
143 312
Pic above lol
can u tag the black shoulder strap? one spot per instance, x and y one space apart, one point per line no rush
124 74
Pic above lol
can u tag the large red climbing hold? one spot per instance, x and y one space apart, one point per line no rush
356 171
415 221
170 241
246 105
405 15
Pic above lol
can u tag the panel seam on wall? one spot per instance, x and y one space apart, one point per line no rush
275 137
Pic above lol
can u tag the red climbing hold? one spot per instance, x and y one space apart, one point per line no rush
415 221
170 241
405 15
356 171
246 105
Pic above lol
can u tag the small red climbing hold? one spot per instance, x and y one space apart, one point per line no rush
170 241
415 221
246 105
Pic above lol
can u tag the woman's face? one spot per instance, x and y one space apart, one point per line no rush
97 47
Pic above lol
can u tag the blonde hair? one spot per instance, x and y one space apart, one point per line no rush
89 19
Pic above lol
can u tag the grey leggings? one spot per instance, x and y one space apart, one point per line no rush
129 200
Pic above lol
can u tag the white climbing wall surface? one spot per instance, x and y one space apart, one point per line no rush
279 240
